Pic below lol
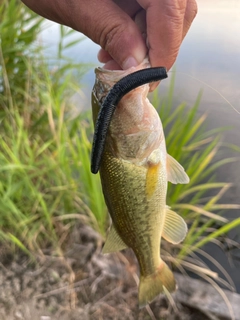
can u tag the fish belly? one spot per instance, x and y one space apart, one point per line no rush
137 216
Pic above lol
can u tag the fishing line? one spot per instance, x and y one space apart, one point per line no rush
210 87
122 87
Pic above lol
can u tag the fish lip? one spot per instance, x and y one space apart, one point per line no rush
106 79
123 86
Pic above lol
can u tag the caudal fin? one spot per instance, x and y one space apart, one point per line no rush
153 285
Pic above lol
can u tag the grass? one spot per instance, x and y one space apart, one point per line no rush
45 180
44 170
19 29
44 150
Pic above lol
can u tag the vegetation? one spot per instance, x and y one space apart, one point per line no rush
43 148
45 180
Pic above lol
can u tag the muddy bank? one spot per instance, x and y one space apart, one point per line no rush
84 284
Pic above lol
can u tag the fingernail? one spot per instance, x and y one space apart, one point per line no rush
129 63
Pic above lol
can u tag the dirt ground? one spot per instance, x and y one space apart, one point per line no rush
83 285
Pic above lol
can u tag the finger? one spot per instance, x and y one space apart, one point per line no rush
102 21
135 11
103 56
51 10
131 7
190 14
112 65
164 29
114 30
140 20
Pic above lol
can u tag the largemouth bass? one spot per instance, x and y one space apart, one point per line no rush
134 171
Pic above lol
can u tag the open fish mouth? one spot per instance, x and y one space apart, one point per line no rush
121 88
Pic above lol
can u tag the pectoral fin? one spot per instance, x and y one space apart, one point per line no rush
175 172
114 242
175 228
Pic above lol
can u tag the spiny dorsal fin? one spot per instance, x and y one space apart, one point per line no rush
175 172
175 228
113 242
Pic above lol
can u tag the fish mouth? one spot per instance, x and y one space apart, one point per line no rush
108 107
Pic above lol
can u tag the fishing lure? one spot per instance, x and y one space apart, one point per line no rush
121 88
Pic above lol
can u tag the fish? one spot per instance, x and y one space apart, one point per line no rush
108 107
135 170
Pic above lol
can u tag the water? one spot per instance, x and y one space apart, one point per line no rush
210 53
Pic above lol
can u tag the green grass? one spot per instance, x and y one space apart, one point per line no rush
44 149
45 176
18 31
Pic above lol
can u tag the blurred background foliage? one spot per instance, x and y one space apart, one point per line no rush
45 182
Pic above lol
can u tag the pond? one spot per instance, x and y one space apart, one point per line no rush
209 59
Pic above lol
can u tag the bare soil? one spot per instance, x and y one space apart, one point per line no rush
83 284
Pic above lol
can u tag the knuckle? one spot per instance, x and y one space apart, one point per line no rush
192 9
109 36
117 38
175 12
191 12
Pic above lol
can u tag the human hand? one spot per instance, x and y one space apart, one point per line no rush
126 30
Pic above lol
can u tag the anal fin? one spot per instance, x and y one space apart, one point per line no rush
175 228
113 242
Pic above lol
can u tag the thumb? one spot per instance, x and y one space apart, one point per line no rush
102 21
110 27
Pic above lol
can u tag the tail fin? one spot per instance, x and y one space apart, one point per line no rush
153 285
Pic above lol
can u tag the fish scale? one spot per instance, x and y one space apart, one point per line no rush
142 227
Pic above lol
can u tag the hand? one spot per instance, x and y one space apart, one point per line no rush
126 30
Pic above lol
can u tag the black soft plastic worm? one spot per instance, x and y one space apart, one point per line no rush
122 87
